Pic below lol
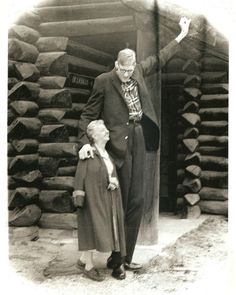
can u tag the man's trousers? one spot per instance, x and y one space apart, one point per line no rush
131 177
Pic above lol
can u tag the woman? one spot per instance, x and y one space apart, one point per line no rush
98 199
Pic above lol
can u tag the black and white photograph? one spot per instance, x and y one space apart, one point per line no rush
117 175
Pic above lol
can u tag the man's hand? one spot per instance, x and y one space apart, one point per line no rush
86 152
184 24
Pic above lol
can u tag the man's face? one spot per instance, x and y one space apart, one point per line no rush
124 72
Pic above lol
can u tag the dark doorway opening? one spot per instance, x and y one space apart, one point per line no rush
168 163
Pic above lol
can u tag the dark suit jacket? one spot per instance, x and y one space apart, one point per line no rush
107 102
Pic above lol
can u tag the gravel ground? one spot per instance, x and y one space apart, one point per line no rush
196 263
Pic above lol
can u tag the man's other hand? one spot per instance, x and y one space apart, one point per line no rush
86 152
184 25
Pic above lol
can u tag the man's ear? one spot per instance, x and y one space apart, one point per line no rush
116 65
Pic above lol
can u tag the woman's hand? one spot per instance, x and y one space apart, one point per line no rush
114 184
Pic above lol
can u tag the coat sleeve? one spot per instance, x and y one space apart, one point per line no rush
91 111
156 62
79 183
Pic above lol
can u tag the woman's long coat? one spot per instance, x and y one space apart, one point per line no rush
102 208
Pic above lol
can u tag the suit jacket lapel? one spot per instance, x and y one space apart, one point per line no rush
116 82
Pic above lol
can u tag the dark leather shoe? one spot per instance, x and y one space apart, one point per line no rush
119 272
111 264
132 266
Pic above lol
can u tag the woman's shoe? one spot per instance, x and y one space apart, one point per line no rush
94 274
79 264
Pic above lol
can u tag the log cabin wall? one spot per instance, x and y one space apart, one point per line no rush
75 41
198 87
24 125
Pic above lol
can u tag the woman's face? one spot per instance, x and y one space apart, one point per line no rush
100 133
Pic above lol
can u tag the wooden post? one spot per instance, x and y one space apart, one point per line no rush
146 45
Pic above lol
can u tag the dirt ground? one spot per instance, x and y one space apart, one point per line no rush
195 264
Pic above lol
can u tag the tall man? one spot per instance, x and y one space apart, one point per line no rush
120 97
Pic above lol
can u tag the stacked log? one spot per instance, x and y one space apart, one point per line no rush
67 71
213 136
182 79
23 126
188 199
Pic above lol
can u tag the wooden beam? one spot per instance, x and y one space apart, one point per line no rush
214 127
24 128
48 3
28 178
214 64
191 119
54 133
51 115
20 162
192 67
78 28
218 179
58 221
214 150
212 140
214 77
58 149
192 159
191 132
48 166
52 82
60 63
192 199
83 11
24 91
47 44
22 196
26 216
213 114
219 88
193 184
214 100
191 144
193 170
66 171
214 163
22 51
23 33
58 183
24 108
26 71
58 201
214 194
12 82
54 98
29 19
191 107
214 207
193 212
192 81
25 146
192 93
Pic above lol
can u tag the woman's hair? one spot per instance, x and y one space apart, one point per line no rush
126 56
90 128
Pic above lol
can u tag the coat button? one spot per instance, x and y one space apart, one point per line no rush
126 137
127 123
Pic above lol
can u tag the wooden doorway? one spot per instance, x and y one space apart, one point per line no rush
168 168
